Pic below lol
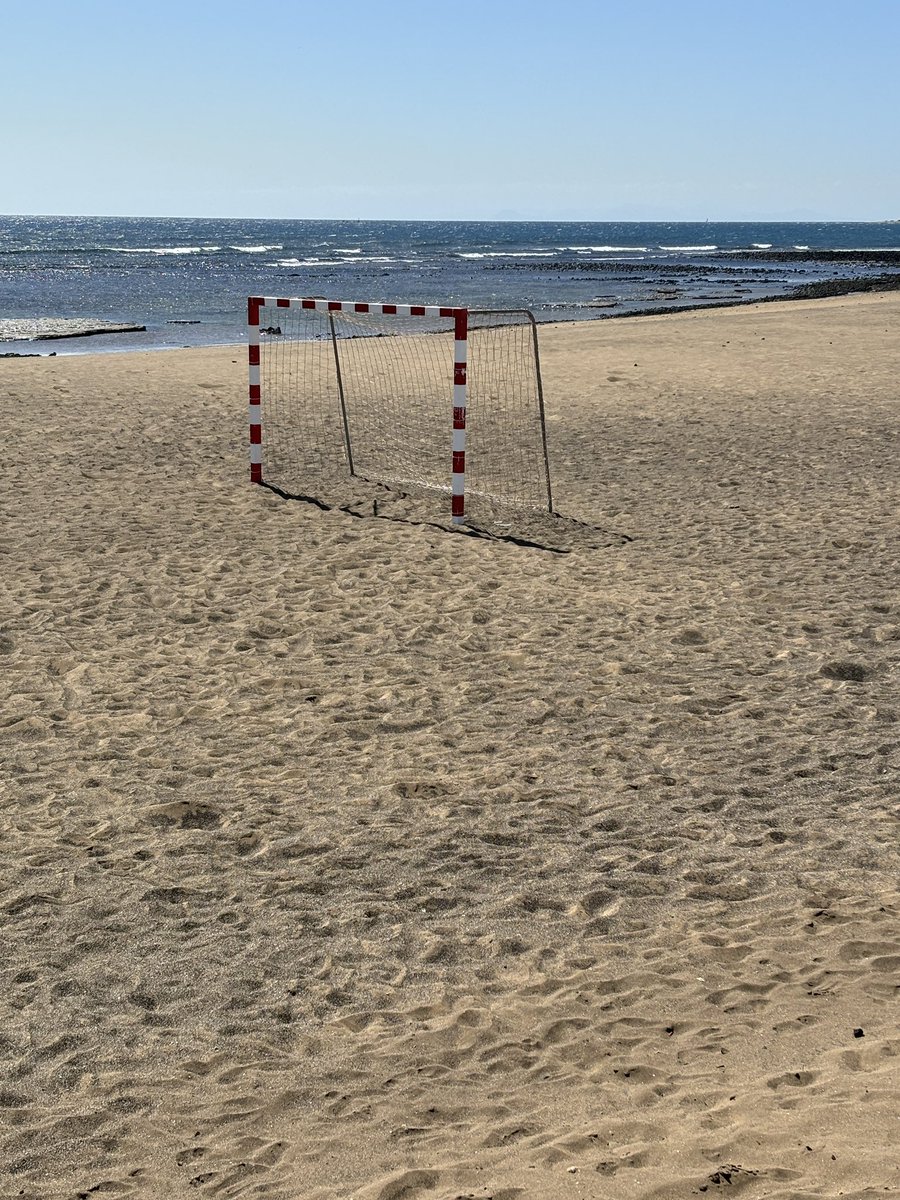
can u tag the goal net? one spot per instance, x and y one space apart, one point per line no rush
441 401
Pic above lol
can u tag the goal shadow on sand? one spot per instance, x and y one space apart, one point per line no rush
550 532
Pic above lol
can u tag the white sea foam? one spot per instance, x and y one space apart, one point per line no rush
508 254
685 249
163 249
339 250
256 249
760 245
607 249
801 247
330 262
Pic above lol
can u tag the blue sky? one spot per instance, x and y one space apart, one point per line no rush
472 109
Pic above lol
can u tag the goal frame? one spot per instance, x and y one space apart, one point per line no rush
460 324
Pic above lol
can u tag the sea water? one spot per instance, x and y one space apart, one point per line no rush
187 279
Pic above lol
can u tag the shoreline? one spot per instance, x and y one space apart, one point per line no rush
818 291
831 289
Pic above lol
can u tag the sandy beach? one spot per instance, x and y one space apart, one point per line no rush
350 857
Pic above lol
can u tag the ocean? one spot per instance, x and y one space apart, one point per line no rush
186 280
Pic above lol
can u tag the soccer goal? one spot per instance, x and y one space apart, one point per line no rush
422 398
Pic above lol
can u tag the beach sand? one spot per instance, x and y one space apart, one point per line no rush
351 857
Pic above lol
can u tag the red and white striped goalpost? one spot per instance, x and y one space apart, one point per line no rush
460 318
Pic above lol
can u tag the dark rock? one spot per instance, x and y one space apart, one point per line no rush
89 332
888 257
844 287
851 672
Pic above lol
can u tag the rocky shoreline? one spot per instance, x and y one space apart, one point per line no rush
808 291
689 286
843 287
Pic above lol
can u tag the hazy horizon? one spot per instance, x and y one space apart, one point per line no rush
495 220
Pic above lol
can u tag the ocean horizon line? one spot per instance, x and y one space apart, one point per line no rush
490 220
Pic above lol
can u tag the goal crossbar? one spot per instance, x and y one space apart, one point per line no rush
456 320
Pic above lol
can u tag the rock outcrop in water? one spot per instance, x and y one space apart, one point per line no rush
43 329
888 257
90 331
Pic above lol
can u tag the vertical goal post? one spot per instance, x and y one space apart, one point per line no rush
394 397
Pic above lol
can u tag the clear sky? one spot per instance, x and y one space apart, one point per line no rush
470 109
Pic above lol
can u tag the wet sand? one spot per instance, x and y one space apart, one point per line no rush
346 856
